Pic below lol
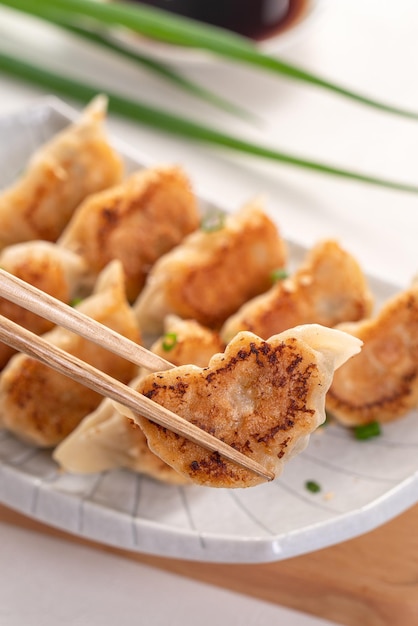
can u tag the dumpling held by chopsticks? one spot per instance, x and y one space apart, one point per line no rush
106 439
263 398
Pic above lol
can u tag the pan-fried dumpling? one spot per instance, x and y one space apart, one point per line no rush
187 341
327 289
381 383
211 274
76 162
44 265
264 398
42 406
136 222
106 439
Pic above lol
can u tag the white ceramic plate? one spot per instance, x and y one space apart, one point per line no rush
182 55
363 484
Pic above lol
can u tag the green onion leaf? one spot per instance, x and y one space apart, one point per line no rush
213 220
313 486
278 274
76 301
169 341
163 26
162 69
174 124
367 431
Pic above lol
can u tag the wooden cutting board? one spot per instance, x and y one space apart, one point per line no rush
368 581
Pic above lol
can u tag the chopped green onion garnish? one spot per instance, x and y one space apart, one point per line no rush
213 220
169 341
366 431
278 274
75 301
312 486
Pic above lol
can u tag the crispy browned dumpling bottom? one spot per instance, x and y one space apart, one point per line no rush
264 398
106 439
136 222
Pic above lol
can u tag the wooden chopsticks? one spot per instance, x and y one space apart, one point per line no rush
44 305
31 298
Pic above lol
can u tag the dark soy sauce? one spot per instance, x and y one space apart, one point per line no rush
257 19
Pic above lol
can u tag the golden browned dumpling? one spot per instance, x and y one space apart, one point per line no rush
211 274
76 162
105 440
264 398
327 289
187 341
56 271
42 406
381 383
136 222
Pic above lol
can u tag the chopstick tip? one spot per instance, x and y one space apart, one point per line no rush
269 476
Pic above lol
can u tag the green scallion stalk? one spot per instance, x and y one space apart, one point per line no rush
162 26
174 124
161 69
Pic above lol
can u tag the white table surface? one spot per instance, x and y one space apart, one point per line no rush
371 46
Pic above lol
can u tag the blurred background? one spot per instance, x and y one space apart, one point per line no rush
368 46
